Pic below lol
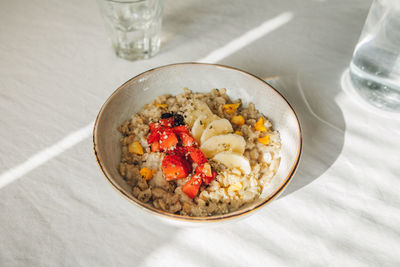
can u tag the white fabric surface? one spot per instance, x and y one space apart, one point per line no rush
56 70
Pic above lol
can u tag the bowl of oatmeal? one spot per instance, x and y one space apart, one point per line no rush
197 142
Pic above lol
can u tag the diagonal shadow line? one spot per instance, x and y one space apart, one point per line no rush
45 155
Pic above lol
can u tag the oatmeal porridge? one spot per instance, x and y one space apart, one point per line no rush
198 154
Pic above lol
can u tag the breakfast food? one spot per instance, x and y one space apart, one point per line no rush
198 154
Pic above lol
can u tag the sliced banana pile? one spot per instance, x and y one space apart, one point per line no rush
194 110
216 138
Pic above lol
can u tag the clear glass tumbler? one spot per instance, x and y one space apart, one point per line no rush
134 26
375 66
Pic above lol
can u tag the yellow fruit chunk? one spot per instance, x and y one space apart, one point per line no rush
230 108
235 186
238 120
146 173
264 140
259 126
162 105
239 133
135 148
207 169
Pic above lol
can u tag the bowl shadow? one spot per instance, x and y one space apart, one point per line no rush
322 123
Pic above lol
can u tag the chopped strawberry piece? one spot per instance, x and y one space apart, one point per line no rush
204 169
180 151
197 155
183 133
155 147
168 139
186 139
169 142
154 127
206 173
191 187
168 122
180 129
175 167
207 179
153 137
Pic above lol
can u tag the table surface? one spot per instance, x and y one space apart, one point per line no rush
56 70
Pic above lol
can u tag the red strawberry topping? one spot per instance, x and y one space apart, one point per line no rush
207 179
187 139
175 167
168 139
182 149
204 169
153 137
154 127
168 122
155 147
197 155
191 187
180 129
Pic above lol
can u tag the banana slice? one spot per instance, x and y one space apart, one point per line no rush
200 124
194 110
233 160
224 142
216 127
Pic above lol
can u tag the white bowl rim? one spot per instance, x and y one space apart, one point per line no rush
214 218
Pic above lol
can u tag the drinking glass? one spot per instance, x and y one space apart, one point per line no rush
375 66
134 26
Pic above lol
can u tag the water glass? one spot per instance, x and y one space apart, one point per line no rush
375 66
134 26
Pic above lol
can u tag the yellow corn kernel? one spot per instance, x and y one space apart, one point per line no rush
238 120
235 186
162 105
230 108
259 126
135 148
264 140
146 173
238 133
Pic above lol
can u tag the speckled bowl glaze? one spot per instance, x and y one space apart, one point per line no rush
130 97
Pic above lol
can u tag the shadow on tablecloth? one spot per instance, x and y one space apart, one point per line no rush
322 124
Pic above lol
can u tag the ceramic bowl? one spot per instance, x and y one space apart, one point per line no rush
130 97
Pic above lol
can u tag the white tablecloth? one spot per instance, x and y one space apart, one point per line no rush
56 70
